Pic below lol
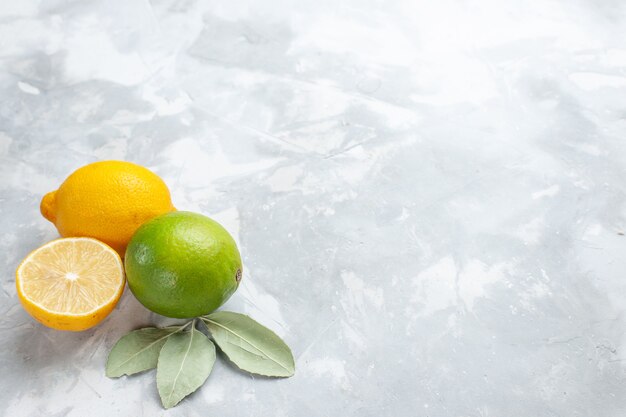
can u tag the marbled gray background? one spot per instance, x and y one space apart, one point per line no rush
429 195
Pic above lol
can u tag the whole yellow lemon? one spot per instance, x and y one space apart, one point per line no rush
108 201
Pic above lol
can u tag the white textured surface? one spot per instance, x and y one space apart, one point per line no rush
429 195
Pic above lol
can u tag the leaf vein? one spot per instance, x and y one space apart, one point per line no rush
182 364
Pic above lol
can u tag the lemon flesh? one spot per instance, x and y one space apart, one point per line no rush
70 283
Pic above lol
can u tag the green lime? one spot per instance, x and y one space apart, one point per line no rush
182 264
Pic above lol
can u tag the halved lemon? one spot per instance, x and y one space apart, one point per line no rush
70 283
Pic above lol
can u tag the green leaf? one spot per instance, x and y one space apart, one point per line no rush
137 351
185 362
249 345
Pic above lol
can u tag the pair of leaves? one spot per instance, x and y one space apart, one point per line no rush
184 359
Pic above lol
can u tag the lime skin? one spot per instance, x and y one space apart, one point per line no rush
182 265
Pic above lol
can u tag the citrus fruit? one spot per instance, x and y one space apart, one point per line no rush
70 283
182 264
107 200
